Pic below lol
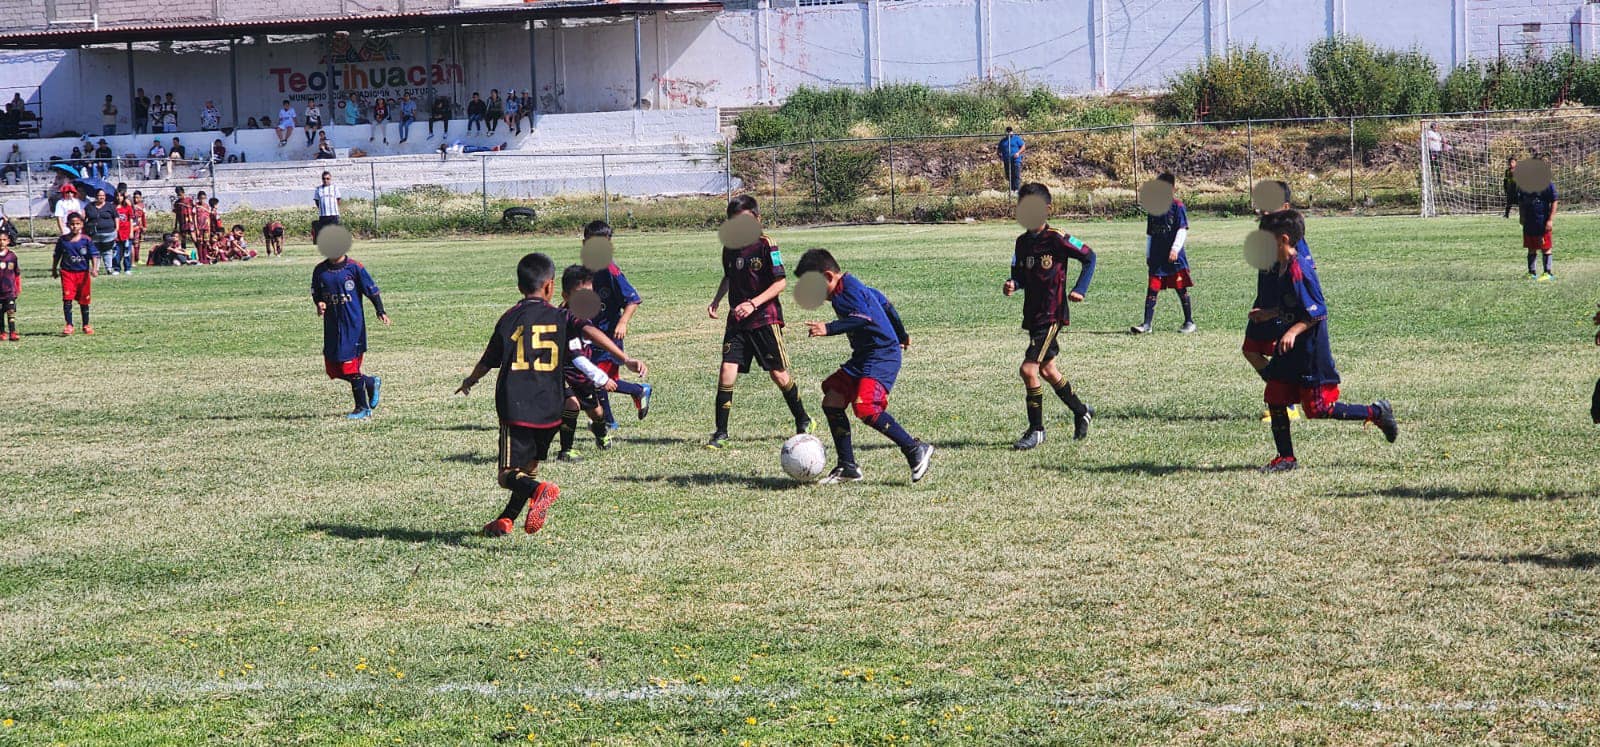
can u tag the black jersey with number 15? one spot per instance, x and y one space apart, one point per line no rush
529 347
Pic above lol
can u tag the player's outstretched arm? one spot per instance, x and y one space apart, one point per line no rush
603 341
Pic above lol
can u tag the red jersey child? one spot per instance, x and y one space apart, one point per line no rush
272 235
122 256
183 217
10 285
140 223
200 224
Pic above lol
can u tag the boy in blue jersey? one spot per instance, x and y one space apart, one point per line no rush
1261 337
1039 270
587 382
337 287
876 338
1168 263
77 263
1537 212
1302 370
618 301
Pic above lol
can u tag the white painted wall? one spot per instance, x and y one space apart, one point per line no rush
743 57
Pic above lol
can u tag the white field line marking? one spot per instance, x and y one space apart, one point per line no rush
678 692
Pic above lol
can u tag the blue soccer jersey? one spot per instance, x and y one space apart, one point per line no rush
341 286
1298 295
873 326
1163 232
75 255
616 294
1534 209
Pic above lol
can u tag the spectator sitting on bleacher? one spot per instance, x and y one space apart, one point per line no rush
252 124
155 157
324 148
102 159
177 155
219 152
15 165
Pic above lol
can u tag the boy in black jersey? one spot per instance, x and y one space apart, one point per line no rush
529 347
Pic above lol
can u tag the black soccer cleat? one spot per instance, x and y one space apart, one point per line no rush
1383 417
1030 439
919 457
718 442
568 456
842 473
1080 423
1594 402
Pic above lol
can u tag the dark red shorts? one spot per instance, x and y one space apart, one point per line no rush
341 369
1176 281
1314 401
867 396
609 367
1537 243
75 286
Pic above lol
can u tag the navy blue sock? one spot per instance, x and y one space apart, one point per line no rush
83 310
839 426
66 311
625 388
1347 411
1530 262
1149 307
1280 431
358 390
605 404
1188 305
1547 261
885 423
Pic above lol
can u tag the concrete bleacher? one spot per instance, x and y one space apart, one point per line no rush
646 153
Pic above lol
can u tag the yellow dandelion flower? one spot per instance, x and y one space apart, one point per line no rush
737 678
751 720
399 675
8 723
361 667
313 649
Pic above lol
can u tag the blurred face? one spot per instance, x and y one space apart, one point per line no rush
585 285
327 179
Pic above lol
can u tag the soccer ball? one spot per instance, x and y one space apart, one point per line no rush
804 457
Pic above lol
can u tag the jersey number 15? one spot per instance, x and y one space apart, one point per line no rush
539 337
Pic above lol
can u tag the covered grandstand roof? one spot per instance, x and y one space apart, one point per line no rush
208 30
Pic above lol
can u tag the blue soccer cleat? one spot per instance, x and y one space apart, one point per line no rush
362 414
373 392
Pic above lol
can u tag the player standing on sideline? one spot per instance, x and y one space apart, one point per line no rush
752 279
1039 269
10 286
618 302
529 349
77 264
1537 212
337 287
1302 368
1261 337
877 338
327 199
183 219
587 381
1168 263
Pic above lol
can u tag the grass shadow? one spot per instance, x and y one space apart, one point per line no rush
938 445
398 534
712 479
1581 561
1460 494
1157 470
470 427
1146 413
254 416
471 457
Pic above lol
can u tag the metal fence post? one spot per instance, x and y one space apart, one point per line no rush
605 189
816 188
774 205
27 179
483 187
1135 129
1352 163
212 167
372 173
891 177
1250 157
727 162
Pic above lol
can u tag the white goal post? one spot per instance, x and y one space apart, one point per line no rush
1464 160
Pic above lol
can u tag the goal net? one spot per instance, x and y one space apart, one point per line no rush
1464 160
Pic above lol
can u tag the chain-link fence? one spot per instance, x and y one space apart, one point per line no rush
1359 164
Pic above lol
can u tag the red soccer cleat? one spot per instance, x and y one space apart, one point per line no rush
498 528
67 332
1280 464
547 494
88 330
14 337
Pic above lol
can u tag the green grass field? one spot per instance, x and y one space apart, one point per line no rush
198 548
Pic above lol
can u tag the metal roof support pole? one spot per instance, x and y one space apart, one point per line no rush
233 84
533 70
638 64
132 125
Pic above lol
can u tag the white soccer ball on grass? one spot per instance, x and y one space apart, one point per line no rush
804 458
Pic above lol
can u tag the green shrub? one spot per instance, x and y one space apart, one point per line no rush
842 172
761 126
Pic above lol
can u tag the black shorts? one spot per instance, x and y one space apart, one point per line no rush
521 447
1042 344
587 394
764 345
8 305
